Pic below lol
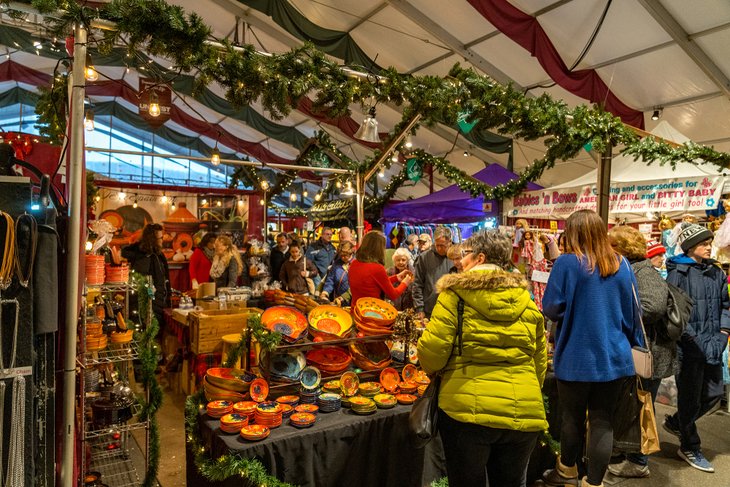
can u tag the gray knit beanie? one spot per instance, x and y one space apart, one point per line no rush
691 235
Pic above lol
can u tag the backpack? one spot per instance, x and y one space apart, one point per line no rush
679 308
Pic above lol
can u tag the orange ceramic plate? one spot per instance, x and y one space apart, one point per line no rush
409 373
405 398
389 378
255 432
114 218
307 408
329 357
385 399
349 383
287 399
182 242
259 390
330 319
245 407
360 401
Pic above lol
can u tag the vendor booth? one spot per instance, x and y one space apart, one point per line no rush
639 189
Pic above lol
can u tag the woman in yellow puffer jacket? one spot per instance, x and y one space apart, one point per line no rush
490 401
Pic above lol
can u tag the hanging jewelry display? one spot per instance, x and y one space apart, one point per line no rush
15 475
8 263
25 274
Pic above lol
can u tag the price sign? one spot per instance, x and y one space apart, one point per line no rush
553 226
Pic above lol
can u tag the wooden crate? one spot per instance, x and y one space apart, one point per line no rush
207 327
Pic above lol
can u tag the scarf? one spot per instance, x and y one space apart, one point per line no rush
220 264
209 253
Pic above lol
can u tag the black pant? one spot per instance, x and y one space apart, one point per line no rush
478 456
600 399
699 388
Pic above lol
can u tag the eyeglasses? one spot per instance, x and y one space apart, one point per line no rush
465 252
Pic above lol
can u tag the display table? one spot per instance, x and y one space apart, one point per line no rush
341 448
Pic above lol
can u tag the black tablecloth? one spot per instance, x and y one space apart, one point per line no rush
342 448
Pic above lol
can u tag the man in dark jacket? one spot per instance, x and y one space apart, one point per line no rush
429 267
279 255
146 257
699 382
321 253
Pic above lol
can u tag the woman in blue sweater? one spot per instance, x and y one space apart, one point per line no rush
589 295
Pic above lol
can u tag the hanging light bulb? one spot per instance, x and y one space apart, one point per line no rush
305 193
122 196
135 205
97 198
466 153
262 202
240 201
204 202
154 108
293 196
381 174
264 184
89 120
219 203
172 206
368 131
317 196
394 157
338 184
89 71
89 245
409 141
349 184
215 159
163 199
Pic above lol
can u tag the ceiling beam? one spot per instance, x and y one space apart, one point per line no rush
367 17
451 42
682 38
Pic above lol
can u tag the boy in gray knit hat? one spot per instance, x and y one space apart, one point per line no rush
699 381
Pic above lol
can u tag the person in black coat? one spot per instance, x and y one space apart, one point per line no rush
279 254
146 257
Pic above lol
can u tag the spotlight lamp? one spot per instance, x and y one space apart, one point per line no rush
466 153
409 141
657 114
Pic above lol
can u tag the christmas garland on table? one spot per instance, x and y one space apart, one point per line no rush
148 360
230 465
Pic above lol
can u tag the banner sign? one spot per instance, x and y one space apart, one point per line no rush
674 195
331 210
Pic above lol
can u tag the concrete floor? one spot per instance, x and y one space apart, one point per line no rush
667 470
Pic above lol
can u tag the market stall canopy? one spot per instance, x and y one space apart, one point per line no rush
452 205
636 57
640 190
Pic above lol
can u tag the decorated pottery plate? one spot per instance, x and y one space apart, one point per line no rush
360 401
259 390
369 387
349 383
307 408
288 321
182 242
310 377
330 319
245 407
303 418
405 398
219 405
287 399
389 378
270 407
385 399
332 386
255 432
328 396
409 373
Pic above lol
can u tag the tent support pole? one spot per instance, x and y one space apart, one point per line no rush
604 183
73 253
360 205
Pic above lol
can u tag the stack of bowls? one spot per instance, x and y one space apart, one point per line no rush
290 400
369 389
268 414
255 432
362 405
385 401
330 360
217 409
332 386
233 422
302 420
405 398
246 408
307 408
374 316
329 402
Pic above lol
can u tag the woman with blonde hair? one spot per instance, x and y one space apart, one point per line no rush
590 296
227 264
454 255
402 261
368 278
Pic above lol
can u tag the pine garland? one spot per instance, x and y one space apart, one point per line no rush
268 340
148 360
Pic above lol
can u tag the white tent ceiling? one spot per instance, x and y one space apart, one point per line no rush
653 54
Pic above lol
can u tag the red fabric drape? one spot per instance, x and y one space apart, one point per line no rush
526 31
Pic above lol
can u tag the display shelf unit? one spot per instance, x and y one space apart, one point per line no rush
114 463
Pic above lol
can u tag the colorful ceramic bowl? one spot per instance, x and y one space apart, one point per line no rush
369 389
375 311
370 355
293 400
302 420
288 321
231 379
255 432
385 401
287 365
405 398
409 373
329 322
349 383
330 360
310 378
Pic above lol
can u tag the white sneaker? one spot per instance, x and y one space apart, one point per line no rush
629 469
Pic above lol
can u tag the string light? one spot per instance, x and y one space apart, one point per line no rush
240 201
394 157
305 193
338 184
381 173
215 159
204 202
219 203
262 202
409 141
317 196
293 196
264 184
89 121
172 206
154 108
122 196
163 199
134 205
97 198
89 71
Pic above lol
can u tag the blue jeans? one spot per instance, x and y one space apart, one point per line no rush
476 453
652 386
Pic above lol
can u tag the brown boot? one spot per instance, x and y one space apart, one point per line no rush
561 475
584 483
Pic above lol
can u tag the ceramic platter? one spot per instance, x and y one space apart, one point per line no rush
349 383
259 390
288 321
255 432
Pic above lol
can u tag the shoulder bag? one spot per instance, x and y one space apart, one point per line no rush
424 415
643 360
679 309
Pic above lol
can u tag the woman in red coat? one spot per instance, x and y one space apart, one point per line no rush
368 278
201 260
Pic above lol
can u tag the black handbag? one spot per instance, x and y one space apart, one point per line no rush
422 422
626 419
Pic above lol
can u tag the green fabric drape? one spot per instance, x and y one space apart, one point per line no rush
335 43
493 143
